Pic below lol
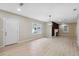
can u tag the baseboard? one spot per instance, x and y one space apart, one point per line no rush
29 40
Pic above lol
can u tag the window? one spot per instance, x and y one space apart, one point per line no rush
66 29
36 28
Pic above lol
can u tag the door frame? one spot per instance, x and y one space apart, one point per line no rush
4 30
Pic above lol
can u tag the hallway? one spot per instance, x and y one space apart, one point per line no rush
56 46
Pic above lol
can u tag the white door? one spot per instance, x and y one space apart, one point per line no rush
11 31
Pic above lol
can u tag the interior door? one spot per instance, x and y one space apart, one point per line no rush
11 31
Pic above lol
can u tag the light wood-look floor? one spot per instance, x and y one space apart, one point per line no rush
56 46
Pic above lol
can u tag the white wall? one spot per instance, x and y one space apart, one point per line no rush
1 32
78 31
25 26
48 30
71 30
26 29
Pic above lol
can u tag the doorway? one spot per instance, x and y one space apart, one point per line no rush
55 29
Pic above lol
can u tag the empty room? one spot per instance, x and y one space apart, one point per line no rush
39 29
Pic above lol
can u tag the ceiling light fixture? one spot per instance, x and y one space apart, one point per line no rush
74 9
20 5
50 18
18 9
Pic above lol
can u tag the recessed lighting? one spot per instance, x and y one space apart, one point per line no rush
18 9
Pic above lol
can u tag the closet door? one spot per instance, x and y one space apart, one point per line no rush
11 31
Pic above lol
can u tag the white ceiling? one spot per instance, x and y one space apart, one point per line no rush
61 12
